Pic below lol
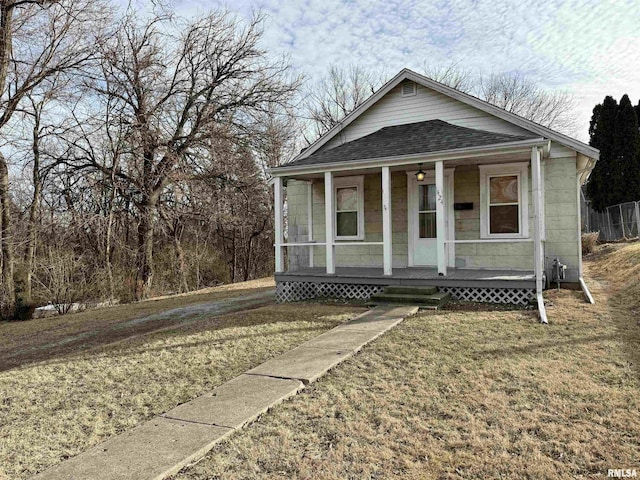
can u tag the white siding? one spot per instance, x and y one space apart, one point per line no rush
427 104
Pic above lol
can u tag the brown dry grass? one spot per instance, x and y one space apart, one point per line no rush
40 339
589 242
468 395
619 265
57 408
17 332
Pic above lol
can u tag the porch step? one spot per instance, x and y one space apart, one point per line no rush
408 290
432 300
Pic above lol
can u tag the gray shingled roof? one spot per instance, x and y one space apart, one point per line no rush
408 139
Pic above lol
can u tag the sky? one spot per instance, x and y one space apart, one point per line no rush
589 48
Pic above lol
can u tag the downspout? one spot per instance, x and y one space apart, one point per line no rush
584 173
545 152
537 231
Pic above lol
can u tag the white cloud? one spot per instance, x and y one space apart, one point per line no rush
590 48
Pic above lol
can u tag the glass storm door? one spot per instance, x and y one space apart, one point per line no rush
424 216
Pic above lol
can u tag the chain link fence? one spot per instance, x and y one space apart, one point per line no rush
617 222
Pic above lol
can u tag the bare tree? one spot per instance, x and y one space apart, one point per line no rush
277 138
450 74
38 39
243 209
519 94
513 92
338 94
173 81
38 133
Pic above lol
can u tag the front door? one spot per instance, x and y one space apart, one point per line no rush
424 218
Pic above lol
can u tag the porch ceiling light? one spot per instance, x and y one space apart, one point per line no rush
420 174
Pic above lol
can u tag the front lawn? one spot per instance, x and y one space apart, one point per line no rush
452 394
56 408
41 339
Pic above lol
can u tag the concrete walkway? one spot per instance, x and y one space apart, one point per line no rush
165 444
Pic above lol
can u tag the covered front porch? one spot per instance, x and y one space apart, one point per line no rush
419 219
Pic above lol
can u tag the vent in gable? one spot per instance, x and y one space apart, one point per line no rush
408 89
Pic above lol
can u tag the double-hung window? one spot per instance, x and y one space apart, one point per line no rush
349 208
504 209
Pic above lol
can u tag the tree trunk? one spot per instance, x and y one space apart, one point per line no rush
234 255
107 247
107 241
6 30
181 268
34 208
247 265
197 260
144 276
30 250
7 241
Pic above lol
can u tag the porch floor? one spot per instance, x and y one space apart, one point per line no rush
413 276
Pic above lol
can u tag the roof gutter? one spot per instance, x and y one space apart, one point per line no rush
398 160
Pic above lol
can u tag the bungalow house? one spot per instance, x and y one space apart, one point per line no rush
423 185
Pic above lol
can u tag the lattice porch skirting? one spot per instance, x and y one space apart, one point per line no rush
298 291
515 296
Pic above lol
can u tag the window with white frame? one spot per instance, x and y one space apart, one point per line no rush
349 208
504 201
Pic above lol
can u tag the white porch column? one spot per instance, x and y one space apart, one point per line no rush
329 209
440 220
279 224
310 220
538 260
387 234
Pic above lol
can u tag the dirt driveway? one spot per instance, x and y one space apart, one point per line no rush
42 339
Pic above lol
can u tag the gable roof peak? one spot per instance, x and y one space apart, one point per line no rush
408 74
